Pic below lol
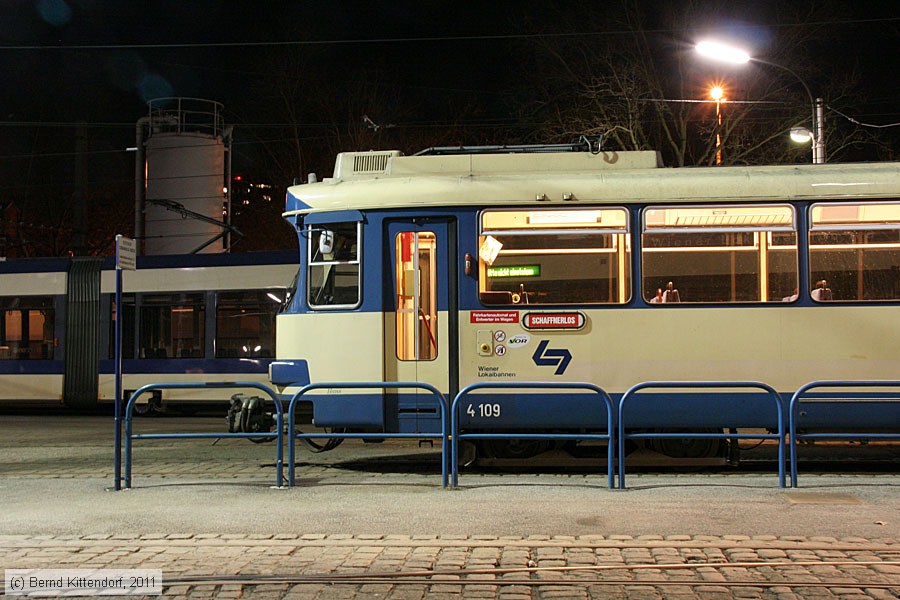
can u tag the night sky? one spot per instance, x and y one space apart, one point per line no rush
447 64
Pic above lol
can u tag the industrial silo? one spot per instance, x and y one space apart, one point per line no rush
182 193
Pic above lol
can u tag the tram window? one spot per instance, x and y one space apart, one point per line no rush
172 325
333 276
245 323
26 328
415 282
127 327
563 256
855 249
721 253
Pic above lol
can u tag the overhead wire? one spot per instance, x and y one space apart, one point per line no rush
447 38
854 121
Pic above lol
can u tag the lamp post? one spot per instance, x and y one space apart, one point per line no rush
717 94
724 53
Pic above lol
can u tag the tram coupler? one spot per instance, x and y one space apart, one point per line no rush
246 415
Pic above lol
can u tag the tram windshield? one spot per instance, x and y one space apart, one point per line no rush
333 276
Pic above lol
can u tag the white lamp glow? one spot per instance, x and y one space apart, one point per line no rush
801 135
722 52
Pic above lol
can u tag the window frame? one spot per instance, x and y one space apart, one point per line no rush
836 226
311 227
428 322
760 232
223 300
625 230
22 348
150 303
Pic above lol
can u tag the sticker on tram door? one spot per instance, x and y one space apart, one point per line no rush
552 357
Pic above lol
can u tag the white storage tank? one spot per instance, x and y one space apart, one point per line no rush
185 180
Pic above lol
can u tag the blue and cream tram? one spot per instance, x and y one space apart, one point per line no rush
459 266
187 318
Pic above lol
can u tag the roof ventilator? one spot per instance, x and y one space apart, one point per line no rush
371 162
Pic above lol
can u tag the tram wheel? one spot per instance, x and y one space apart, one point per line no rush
689 447
513 448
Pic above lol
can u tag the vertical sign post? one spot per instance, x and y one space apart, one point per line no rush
126 258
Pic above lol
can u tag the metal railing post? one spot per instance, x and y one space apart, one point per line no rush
779 405
455 434
795 403
277 434
441 401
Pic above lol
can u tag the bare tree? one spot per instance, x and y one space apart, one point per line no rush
639 85
313 113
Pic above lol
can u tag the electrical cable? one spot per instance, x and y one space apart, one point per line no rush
852 120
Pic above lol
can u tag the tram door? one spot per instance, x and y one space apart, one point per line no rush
420 318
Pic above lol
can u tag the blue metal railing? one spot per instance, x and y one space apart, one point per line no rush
779 407
450 422
794 405
277 434
455 434
442 402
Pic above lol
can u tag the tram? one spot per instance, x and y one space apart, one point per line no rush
186 318
550 263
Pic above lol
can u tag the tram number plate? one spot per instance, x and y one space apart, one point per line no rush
487 410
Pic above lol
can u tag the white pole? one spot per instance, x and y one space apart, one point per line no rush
819 139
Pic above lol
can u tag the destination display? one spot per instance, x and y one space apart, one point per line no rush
515 271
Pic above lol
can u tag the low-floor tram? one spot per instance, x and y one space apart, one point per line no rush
187 318
524 264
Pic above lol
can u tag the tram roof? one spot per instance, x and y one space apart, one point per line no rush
387 179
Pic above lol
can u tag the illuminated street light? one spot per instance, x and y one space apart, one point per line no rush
730 54
801 135
722 52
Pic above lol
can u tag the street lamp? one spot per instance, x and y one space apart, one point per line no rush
725 53
718 94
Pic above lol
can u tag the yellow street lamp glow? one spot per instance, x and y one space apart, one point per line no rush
718 51
716 93
816 134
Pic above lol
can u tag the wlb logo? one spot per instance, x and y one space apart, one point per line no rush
559 358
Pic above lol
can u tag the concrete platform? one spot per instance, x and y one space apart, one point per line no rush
206 513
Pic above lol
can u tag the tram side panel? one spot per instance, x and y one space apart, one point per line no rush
200 324
376 333
618 348
614 346
333 329
32 332
744 245
202 319
339 347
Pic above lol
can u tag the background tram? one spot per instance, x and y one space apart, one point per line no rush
187 318
458 266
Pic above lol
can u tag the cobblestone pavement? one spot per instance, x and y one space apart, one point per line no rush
315 566
205 514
